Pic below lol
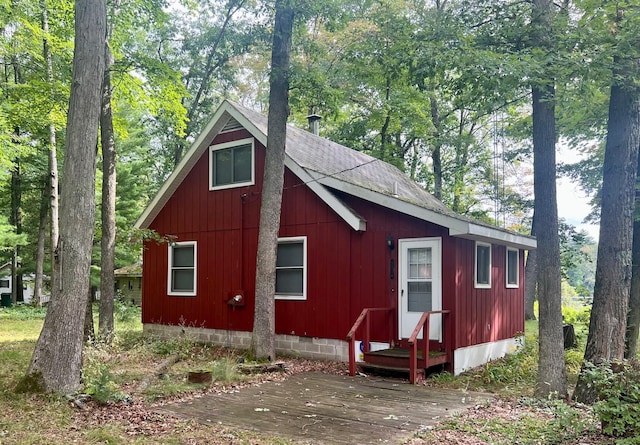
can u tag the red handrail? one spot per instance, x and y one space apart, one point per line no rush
422 326
364 316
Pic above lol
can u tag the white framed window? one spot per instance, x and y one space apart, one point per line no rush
291 268
513 268
232 164
483 265
183 267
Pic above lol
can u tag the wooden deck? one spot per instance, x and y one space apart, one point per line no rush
330 409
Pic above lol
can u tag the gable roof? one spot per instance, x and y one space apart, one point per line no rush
325 166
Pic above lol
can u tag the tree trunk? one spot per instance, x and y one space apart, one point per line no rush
531 278
16 219
53 157
633 319
437 147
607 326
89 329
108 242
57 359
552 377
263 338
40 249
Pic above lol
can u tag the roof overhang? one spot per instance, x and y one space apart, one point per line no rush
457 227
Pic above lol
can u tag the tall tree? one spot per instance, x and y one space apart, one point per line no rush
51 184
633 319
552 378
108 241
263 338
57 359
607 326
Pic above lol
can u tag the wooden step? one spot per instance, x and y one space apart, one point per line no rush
399 358
388 370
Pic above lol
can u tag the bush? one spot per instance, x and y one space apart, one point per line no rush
573 315
23 312
125 311
618 408
98 381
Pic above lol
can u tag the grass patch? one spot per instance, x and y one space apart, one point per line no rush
110 373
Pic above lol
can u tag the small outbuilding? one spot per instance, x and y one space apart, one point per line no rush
128 283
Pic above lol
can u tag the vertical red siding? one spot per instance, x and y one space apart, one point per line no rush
347 270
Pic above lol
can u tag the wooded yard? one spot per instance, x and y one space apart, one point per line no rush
128 414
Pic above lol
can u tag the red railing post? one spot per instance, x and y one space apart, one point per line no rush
413 362
425 340
364 316
367 334
352 357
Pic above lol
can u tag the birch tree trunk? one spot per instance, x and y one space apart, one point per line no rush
57 359
51 186
263 338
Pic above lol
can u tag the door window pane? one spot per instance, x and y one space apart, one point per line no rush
420 263
420 296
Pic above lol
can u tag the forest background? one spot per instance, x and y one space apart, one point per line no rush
437 88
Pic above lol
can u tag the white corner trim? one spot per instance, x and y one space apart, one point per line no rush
472 356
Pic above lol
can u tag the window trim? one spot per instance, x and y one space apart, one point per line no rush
506 269
227 145
170 268
475 266
296 239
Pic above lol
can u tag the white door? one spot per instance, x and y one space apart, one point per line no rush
420 284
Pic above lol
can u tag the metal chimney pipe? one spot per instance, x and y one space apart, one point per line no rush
314 123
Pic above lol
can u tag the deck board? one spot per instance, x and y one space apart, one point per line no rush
333 409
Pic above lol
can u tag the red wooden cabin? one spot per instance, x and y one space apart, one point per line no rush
359 241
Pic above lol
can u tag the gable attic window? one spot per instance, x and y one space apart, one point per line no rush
512 273
182 268
291 269
231 164
483 265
